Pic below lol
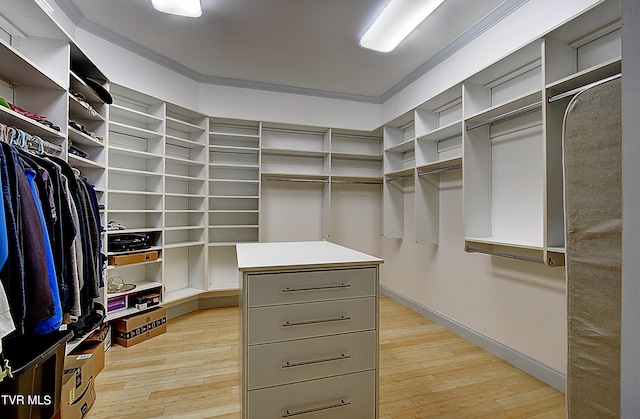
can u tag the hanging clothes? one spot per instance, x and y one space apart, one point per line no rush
50 246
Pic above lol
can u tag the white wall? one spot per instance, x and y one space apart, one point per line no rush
519 304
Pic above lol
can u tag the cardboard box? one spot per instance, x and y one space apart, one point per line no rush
95 348
137 328
78 392
119 260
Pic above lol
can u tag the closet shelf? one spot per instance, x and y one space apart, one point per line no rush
16 120
171 296
183 142
183 126
232 197
403 147
81 162
176 245
398 174
79 111
506 110
521 244
117 112
22 71
440 166
353 156
133 131
183 161
79 137
186 178
582 78
234 149
129 152
293 152
451 130
76 83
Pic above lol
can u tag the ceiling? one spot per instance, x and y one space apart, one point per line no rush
299 46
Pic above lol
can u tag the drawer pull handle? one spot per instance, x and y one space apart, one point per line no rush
318 321
316 361
341 403
316 288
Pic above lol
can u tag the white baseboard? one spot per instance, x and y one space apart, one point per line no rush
543 372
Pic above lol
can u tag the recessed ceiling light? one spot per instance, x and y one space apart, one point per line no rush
398 19
189 8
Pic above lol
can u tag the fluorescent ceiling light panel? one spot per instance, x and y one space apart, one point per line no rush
189 8
398 19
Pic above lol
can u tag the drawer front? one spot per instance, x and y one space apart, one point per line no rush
296 287
299 360
350 396
296 321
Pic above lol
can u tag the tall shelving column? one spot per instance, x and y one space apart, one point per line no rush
438 125
87 130
234 196
399 165
135 183
299 154
583 51
185 206
504 157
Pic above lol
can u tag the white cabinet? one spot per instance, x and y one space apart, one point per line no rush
309 330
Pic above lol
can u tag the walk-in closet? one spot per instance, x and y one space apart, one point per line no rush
244 210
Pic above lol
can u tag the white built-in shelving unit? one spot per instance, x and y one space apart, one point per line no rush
438 125
135 182
43 72
503 155
185 203
503 125
233 195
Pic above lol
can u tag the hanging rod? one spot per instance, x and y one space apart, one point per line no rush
50 146
508 115
502 254
393 179
275 179
356 182
577 90
444 169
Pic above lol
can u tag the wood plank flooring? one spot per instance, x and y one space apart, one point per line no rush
425 372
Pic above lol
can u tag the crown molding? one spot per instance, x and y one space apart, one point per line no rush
494 17
486 23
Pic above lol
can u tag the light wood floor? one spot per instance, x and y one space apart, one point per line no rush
425 371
